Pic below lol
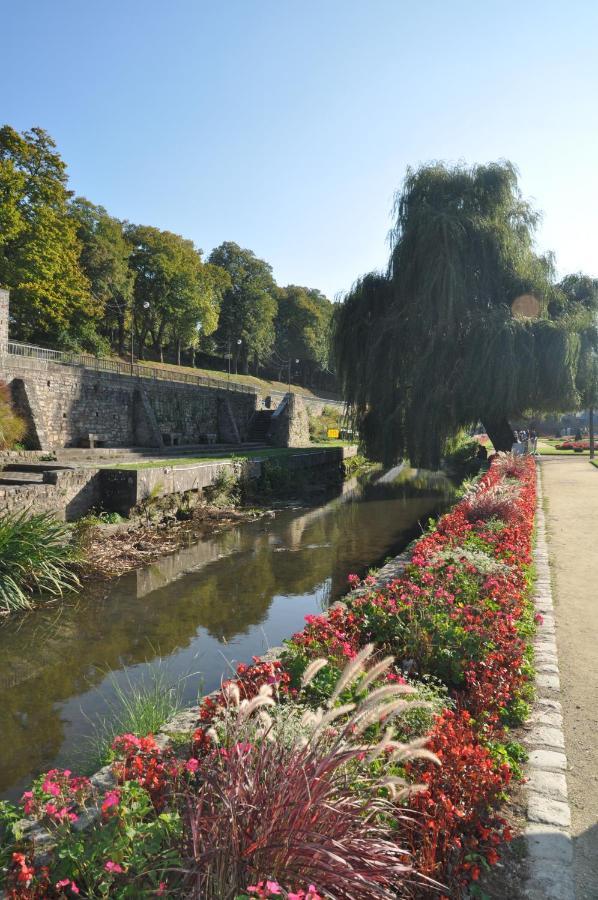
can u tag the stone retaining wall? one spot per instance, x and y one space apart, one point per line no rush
63 405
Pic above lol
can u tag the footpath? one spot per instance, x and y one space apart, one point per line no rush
571 502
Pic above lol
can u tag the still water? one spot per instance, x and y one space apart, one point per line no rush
201 610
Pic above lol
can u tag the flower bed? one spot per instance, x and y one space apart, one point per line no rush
447 645
576 446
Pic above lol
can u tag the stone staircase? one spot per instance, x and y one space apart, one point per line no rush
260 425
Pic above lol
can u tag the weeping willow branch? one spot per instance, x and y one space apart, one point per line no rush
431 346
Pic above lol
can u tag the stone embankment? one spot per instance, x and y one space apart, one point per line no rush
70 492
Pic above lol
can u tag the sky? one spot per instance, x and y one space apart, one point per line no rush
288 125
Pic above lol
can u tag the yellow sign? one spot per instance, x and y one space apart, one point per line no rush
333 433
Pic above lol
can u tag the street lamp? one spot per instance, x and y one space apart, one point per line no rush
145 305
296 363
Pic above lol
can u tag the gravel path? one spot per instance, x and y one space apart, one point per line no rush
571 493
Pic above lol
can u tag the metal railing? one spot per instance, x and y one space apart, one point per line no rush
103 364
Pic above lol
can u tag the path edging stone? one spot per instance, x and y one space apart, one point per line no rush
549 847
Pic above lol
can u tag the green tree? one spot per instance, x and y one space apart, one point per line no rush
39 249
581 295
433 345
174 295
303 329
105 260
246 325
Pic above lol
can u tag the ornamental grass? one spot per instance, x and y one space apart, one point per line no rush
36 558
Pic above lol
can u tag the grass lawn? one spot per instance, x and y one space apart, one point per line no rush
263 384
266 453
547 447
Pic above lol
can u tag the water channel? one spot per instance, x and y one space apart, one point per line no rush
199 610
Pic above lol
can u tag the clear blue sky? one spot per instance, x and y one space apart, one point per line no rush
287 125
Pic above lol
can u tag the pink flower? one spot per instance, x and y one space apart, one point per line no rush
111 798
192 765
27 801
51 809
273 887
67 883
161 888
50 787
113 867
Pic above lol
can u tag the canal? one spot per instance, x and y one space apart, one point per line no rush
196 613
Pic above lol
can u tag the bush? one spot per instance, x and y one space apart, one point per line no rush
12 427
330 417
36 557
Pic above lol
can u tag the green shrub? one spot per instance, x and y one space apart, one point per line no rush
36 557
330 417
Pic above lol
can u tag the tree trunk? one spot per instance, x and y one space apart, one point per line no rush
500 433
178 352
591 424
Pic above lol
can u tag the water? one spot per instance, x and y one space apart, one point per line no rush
202 609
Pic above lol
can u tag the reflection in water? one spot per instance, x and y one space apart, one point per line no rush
201 609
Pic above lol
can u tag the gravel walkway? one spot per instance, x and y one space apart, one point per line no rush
571 497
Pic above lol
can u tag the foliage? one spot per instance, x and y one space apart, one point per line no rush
298 772
105 261
171 297
39 248
246 324
12 427
439 322
36 558
80 279
138 707
330 417
302 325
265 806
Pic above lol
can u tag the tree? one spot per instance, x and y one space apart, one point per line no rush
303 328
581 296
246 326
433 345
105 260
172 294
39 249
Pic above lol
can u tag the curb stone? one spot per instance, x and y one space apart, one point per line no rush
549 861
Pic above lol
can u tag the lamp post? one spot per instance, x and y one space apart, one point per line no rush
239 342
296 363
145 305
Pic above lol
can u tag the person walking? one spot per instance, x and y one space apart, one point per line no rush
533 439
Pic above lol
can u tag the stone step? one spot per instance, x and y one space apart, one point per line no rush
19 477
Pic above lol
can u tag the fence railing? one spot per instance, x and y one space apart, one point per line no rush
103 364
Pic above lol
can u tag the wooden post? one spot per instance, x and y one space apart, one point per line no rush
591 418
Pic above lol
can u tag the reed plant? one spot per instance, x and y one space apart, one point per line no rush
135 707
37 560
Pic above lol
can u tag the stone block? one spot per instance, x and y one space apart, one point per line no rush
548 759
548 784
548 843
547 811
547 737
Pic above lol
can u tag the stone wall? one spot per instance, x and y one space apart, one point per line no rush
67 493
290 423
64 405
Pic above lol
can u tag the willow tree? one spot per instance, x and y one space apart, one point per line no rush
433 344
